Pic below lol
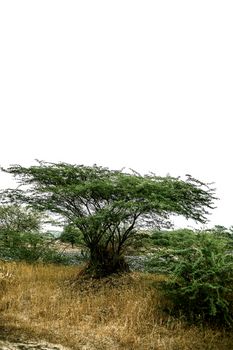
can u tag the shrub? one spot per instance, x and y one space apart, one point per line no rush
30 247
201 274
72 235
51 256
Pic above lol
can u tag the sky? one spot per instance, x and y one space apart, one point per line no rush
146 85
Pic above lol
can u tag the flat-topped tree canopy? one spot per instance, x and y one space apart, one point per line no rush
107 206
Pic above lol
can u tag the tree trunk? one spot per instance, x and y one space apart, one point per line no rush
104 262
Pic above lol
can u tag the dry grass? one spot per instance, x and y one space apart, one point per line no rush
51 303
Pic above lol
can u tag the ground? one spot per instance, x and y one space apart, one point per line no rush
58 305
6 345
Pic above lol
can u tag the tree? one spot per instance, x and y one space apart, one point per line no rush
71 234
19 233
108 206
14 218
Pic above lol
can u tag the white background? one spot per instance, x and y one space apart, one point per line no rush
146 85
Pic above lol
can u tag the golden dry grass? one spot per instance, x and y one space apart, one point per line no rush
51 303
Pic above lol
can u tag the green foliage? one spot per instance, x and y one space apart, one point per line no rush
22 246
71 234
221 231
17 232
175 238
200 270
14 218
52 256
20 238
30 247
27 246
107 206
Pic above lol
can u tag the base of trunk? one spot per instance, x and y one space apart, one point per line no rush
98 268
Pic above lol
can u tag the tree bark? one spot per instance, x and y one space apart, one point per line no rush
104 262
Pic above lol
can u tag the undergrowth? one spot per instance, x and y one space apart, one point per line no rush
122 312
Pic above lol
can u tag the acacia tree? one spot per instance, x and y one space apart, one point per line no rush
19 232
71 234
108 206
16 219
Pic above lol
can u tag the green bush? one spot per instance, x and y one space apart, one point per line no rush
21 246
72 235
200 270
51 256
30 247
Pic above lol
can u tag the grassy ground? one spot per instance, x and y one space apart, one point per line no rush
55 304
